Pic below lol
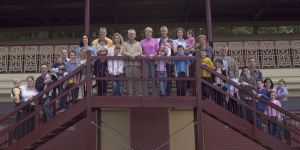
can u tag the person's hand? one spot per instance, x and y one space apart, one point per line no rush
245 84
258 95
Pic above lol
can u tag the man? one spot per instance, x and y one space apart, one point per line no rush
42 82
150 48
102 35
255 73
64 55
228 62
132 48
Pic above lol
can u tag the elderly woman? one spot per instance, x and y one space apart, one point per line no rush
150 48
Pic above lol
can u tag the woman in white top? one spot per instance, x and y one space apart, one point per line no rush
116 67
28 92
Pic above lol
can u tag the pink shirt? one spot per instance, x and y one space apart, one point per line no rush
272 112
161 65
150 47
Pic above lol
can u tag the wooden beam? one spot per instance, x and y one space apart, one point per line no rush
112 8
37 11
262 9
187 10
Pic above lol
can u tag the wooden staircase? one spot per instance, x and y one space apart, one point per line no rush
45 131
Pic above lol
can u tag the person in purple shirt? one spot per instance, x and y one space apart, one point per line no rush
161 71
150 47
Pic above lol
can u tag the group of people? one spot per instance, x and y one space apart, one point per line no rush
250 79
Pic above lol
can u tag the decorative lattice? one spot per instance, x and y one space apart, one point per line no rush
31 58
4 59
16 59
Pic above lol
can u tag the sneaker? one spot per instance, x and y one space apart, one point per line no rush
62 110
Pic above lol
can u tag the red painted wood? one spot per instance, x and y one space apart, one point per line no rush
149 128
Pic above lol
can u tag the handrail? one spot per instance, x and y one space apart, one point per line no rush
260 99
291 125
49 88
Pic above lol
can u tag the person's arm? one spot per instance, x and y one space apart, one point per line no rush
39 84
124 50
139 51
187 69
174 47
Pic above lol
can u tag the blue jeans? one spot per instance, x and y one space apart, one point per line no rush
162 83
117 86
63 103
181 85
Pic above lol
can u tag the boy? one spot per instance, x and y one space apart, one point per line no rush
181 70
205 61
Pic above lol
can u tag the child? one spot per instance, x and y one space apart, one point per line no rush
190 42
116 69
217 81
54 67
282 92
100 70
16 96
82 60
205 61
181 70
166 45
161 71
16 92
274 114
101 46
63 104
260 92
233 91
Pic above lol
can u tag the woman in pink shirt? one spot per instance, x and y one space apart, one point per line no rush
150 48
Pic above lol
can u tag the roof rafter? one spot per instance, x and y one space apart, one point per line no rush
267 4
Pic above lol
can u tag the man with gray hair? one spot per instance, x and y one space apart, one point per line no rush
132 48
228 62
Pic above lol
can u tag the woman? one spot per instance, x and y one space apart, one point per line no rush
268 84
85 43
180 40
116 67
28 92
150 48
248 84
70 66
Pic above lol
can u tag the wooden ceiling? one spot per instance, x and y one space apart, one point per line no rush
22 13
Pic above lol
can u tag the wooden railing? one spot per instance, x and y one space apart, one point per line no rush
269 54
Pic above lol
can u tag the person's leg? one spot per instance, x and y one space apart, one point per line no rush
137 82
153 82
115 87
129 73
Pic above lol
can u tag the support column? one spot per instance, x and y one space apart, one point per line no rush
208 21
87 17
198 112
89 137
